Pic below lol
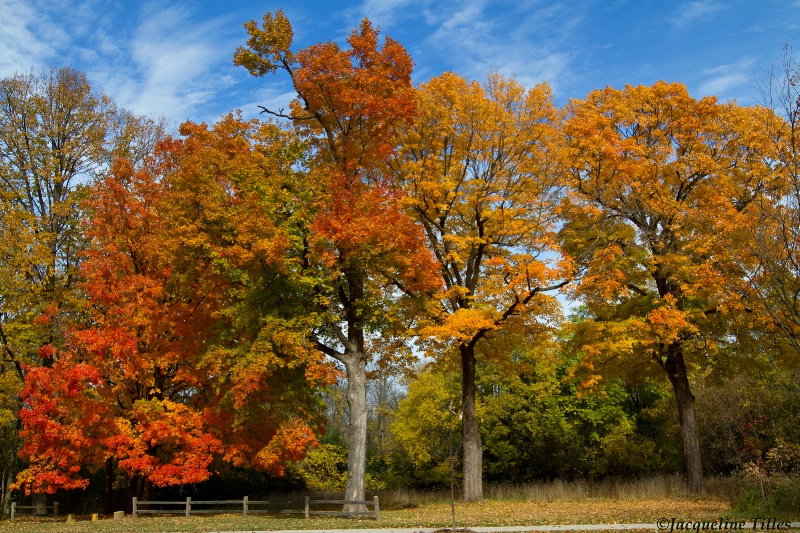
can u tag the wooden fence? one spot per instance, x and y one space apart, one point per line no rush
15 508
188 507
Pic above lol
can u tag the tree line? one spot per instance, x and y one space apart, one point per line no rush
172 302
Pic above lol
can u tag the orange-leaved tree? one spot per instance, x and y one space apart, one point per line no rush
234 210
115 391
366 257
163 379
655 176
480 169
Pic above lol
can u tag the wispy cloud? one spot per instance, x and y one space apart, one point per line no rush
24 45
692 11
386 12
160 59
170 65
533 49
173 60
726 81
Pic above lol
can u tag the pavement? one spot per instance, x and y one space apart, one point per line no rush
513 529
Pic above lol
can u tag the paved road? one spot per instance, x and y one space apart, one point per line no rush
566 527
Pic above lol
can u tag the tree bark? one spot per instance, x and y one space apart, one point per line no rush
9 480
108 502
146 489
471 437
356 430
40 504
678 377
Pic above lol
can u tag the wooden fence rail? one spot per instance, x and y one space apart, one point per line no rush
187 508
15 508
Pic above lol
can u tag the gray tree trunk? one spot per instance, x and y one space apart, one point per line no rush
7 485
678 377
356 429
40 504
471 436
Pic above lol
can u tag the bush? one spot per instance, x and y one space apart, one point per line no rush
778 497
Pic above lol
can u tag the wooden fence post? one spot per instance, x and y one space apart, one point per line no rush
306 511
244 506
134 506
55 511
188 506
377 509
13 510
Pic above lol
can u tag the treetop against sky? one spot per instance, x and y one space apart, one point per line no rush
174 57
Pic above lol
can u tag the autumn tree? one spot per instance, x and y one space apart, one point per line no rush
53 134
361 249
771 225
167 375
657 178
480 168
426 425
234 205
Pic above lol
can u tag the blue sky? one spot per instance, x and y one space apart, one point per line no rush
173 58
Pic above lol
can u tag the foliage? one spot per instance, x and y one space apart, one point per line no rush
479 167
162 379
657 179
747 418
53 132
324 469
537 422
770 259
426 424
365 255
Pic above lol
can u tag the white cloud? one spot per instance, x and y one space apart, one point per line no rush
24 46
725 81
692 11
533 49
171 66
384 12
157 60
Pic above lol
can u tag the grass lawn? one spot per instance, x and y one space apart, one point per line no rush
499 512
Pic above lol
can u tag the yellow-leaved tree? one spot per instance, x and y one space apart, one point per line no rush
53 134
656 180
480 168
771 225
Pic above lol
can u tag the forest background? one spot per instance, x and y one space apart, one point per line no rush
168 300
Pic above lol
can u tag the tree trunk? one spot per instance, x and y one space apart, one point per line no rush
356 430
130 492
8 481
108 502
146 489
676 370
39 504
471 437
